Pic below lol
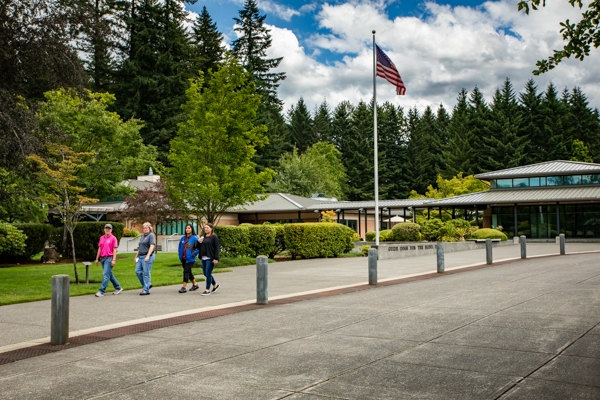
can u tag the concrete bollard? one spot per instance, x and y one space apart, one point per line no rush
488 252
262 280
372 266
440 257
562 244
59 325
523 241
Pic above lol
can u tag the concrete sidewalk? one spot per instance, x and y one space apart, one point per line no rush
22 325
528 329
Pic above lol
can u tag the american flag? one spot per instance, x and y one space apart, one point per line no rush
387 70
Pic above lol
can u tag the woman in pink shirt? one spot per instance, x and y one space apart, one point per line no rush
107 255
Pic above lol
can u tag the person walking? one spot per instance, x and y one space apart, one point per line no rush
107 255
209 251
187 255
144 258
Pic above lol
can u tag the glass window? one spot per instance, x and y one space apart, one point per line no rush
493 184
590 179
573 180
504 183
555 180
535 181
543 181
521 182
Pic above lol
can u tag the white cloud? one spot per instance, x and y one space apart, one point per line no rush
437 56
284 12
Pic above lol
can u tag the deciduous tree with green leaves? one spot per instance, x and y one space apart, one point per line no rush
580 36
58 171
211 157
452 187
318 170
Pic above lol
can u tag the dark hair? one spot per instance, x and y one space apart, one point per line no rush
191 226
211 226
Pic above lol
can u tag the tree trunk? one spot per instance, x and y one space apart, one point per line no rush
74 259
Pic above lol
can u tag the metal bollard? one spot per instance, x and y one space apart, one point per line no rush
440 257
562 244
372 266
523 241
262 280
59 326
488 252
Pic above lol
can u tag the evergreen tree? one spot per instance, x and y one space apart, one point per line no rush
207 43
442 120
533 124
554 114
95 27
301 127
424 149
341 125
478 117
153 79
460 155
393 154
583 123
322 122
358 158
250 48
502 145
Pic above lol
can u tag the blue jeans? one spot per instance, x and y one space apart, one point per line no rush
207 269
107 275
143 269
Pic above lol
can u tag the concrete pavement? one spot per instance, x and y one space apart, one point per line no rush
528 329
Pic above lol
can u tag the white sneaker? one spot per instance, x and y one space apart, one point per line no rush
99 294
117 291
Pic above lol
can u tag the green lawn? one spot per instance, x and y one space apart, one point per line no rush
20 284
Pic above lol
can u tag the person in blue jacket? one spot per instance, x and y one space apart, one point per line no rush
187 255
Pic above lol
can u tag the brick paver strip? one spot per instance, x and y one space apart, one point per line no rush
46 348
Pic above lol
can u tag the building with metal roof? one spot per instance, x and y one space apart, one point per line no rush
538 201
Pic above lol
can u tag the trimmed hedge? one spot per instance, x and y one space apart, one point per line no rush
12 241
235 240
37 236
407 232
321 239
433 229
262 240
87 234
488 233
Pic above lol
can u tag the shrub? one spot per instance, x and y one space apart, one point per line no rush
87 234
386 235
37 236
262 240
12 241
432 229
487 233
130 233
323 239
234 240
407 232
365 250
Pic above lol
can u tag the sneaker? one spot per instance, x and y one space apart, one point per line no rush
144 293
195 287
204 293
182 290
150 287
117 291
99 294
215 288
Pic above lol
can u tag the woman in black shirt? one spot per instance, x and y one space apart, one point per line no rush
209 252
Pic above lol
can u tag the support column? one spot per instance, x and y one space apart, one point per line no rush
557 218
516 229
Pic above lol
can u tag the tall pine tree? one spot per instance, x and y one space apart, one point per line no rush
461 153
207 43
503 147
530 109
393 154
301 127
323 122
153 79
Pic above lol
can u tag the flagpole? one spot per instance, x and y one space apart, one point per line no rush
376 165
